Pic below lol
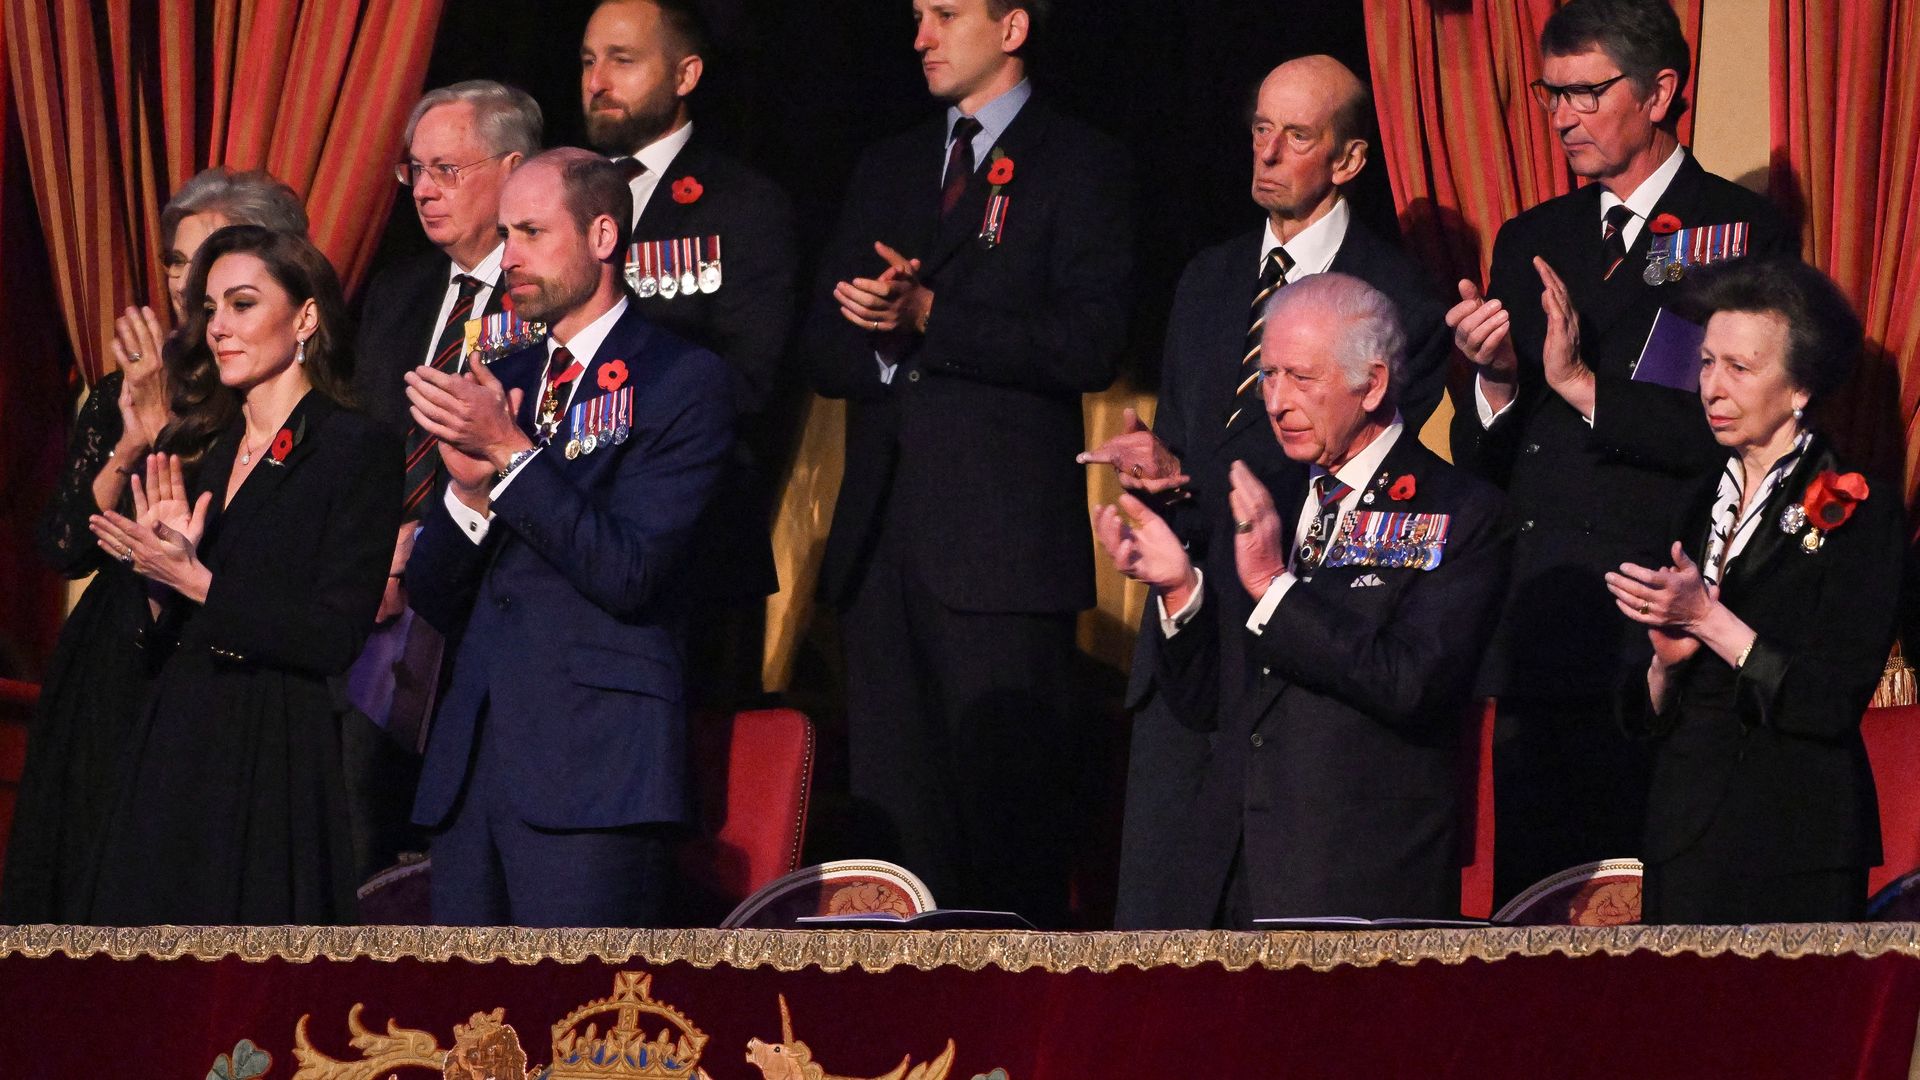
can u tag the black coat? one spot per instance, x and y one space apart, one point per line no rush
399 311
1333 737
976 435
1579 495
234 809
1762 770
747 322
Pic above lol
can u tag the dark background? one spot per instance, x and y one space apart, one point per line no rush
800 89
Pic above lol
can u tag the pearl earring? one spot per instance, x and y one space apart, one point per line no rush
300 357
1798 412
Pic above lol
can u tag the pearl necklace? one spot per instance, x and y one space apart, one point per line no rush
246 453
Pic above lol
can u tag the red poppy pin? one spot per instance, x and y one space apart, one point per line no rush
282 446
1831 498
1001 172
613 375
1402 489
1664 224
687 190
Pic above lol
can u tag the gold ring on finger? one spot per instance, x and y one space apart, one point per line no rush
1646 607
1243 527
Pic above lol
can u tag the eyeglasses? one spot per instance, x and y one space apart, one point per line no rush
1582 97
447 176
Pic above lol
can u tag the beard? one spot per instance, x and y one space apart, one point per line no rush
552 296
632 127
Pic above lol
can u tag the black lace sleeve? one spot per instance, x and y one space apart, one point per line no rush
65 541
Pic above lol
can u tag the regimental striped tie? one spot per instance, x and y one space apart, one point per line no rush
1273 274
423 464
953 183
1613 238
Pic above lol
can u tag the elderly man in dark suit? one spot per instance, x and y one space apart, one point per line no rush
1326 648
1310 125
1592 459
578 467
639 62
461 142
974 290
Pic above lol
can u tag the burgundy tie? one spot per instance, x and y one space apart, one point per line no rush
1613 238
959 164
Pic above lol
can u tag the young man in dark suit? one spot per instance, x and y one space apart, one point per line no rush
1310 124
461 142
974 290
640 60
578 467
1326 648
1591 459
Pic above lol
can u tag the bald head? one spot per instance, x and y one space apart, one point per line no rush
1309 139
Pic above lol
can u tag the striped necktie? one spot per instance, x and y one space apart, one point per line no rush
1273 274
423 465
1314 549
1613 238
959 164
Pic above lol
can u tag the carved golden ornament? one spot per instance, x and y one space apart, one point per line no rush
791 1059
625 1051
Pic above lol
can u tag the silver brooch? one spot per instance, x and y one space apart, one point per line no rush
1794 520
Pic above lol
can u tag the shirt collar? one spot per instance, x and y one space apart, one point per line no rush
996 115
488 272
1647 195
1359 469
585 345
659 154
1313 250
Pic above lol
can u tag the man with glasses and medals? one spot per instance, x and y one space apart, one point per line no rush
1591 457
461 142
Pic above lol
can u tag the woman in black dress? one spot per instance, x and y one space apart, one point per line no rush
265 575
97 681
1770 628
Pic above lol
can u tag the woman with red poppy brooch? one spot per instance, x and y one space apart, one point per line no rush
1770 626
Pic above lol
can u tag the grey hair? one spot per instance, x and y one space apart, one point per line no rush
508 119
1372 330
243 198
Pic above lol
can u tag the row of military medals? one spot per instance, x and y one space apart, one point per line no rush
1670 255
670 268
602 421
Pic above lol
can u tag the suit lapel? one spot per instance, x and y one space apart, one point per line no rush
959 229
664 218
1769 541
306 422
624 343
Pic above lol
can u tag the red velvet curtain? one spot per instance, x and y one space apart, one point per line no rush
1846 152
1465 146
123 100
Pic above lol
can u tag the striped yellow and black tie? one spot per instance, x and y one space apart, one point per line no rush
1273 274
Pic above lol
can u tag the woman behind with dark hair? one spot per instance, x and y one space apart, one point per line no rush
263 576
97 682
1770 629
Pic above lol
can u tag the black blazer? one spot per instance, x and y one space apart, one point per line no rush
399 312
1334 734
1579 495
1200 370
1764 765
747 322
975 436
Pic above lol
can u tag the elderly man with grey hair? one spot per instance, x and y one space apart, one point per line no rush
1328 638
461 142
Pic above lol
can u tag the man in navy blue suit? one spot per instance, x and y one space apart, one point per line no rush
556 769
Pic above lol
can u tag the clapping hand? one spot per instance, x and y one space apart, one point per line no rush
161 541
1145 549
1259 555
894 301
1142 462
1676 598
1566 373
144 409
471 413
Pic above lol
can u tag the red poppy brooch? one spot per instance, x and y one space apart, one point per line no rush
613 375
1664 224
687 190
993 226
1402 489
1830 500
283 444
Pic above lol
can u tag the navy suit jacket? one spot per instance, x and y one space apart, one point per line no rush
574 602
975 436
1586 498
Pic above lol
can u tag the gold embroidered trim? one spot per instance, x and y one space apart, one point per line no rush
792 950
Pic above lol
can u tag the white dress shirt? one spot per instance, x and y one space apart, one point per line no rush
585 348
1357 474
1313 250
1642 201
657 156
487 274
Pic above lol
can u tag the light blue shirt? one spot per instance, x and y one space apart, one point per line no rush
995 118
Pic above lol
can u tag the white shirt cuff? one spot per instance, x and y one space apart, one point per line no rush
1482 407
886 369
1171 624
1276 591
473 524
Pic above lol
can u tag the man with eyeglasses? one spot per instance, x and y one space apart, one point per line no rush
461 142
1591 458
